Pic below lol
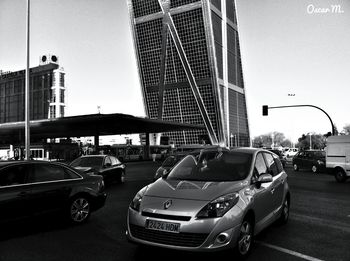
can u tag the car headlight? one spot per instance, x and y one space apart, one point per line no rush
219 206
320 162
136 202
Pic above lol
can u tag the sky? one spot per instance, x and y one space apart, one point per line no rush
293 52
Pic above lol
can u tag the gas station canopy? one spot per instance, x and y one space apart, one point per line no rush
89 125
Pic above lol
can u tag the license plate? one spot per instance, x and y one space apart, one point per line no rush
163 226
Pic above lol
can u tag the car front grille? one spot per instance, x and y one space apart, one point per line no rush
168 238
163 216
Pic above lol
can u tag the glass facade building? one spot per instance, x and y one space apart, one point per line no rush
189 62
47 93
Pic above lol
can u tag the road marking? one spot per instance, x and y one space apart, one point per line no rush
345 227
290 252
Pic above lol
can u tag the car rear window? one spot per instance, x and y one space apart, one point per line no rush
87 162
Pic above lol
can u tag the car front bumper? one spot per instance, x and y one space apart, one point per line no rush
197 235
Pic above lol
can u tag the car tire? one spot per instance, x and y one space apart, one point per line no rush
245 239
283 218
79 209
295 167
340 175
314 169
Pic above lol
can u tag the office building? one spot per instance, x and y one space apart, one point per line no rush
189 62
47 92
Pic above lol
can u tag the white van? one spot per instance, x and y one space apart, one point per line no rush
338 156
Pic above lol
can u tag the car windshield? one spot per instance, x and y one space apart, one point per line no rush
213 166
87 162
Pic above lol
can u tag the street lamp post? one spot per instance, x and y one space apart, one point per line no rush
310 135
27 114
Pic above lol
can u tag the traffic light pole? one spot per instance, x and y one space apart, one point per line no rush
265 107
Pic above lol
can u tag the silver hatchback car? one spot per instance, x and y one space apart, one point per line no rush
217 202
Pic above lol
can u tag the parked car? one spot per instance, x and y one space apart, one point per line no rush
220 201
109 167
171 161
32 187
281 156
314 160
338 157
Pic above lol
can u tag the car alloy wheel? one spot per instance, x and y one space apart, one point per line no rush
79 209
245 238
295 167
314 169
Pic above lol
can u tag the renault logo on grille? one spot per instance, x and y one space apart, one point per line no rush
167 204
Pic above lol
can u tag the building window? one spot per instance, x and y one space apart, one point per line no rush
61 111
52 112
53 78
52 95
62 96
62 79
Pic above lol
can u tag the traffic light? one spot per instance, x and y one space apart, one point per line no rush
265 110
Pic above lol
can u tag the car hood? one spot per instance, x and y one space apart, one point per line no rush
192 190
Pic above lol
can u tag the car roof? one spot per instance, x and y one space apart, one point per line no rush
247 150
14 162
94 156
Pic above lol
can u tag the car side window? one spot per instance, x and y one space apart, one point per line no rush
260 166
271 165
68 174
46 172
13 175
278 163
114 161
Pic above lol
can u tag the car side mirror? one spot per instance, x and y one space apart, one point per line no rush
165 173
264 178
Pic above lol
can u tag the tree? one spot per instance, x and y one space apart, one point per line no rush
318 141
346 129
271 139
264 140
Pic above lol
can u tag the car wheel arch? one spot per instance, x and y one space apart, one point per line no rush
337 170
250 215
88 198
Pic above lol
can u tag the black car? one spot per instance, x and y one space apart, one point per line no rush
281 156
109 167
314 160
28 188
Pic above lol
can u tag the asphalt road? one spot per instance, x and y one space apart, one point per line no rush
318 229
